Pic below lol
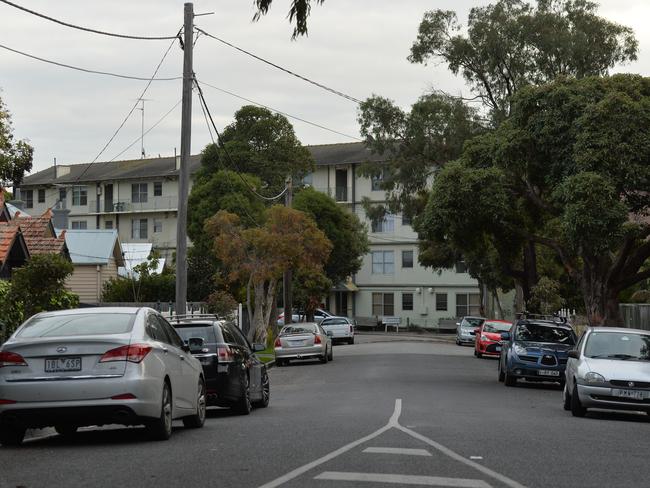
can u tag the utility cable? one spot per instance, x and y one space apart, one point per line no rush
85 70
280 112
223 146
304 78
135 105
87 29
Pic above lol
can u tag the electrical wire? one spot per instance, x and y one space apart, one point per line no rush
135 105
280 112
277 66
85 70
87 29
223 146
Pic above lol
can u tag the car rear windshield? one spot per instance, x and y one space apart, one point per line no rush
299 329
496 326
205 332
471 322
78 325
618 345
543 333
334 322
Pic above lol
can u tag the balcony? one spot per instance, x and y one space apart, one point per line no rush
126 205
339 193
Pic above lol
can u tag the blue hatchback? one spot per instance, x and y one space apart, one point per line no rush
535 350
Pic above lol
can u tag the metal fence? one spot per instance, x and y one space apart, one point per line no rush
636 315
165 308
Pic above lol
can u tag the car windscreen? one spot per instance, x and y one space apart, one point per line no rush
205 332
78 324
327 322
471 322
496 326
543 333
299 329
618 345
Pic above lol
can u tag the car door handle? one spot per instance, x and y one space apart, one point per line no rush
165 350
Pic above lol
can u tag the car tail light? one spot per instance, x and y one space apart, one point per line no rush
7 402
277 342
124 396
317 339
351 330
133 353
225 354
11 359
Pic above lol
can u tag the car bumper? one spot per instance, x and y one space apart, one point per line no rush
524 371
299 352
602 397
489 348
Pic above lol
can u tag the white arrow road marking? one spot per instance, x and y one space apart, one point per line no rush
397 450
403 479
393 422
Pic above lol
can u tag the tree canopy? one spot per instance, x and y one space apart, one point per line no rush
16 156
298 13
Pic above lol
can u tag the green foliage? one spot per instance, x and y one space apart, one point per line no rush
349 237
16 157
298 12
145 288
640 296
511 44
309 289
222 303
546 296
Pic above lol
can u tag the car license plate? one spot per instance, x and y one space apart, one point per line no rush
58 365
497 349
548 372
633 394
296 343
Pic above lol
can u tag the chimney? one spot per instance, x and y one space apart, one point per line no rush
60 170
60 217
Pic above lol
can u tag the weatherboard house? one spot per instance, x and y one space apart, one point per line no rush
138 201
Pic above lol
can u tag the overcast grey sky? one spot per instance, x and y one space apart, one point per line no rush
356 46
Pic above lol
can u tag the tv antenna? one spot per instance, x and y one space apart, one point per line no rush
142 100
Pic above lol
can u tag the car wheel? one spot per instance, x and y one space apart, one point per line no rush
66 430
351 340
160 429
576 407
457 342
323 358
243 405
12 435
266 391
508 379
567 398
197 420
478 354
500 374
330 357
475 353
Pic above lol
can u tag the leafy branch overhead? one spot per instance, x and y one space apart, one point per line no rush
298 13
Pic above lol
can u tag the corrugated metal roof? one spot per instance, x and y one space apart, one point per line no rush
93 246
136 253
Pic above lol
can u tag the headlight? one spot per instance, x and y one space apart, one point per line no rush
484 339
593 378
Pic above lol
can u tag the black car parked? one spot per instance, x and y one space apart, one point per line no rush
235 377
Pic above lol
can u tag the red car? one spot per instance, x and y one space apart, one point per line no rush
488 337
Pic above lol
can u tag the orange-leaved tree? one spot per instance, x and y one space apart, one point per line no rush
258 256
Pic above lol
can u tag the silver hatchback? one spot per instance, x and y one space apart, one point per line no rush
74 368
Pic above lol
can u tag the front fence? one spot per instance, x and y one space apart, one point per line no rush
636 315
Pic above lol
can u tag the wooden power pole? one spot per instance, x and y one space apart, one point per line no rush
184 172
286 282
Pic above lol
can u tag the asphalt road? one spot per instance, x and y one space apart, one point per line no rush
397 413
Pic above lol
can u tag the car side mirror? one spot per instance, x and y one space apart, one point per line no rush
258 347
457 324
195 344
185 348
505 336
329 333
575 354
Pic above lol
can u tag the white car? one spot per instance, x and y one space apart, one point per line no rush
342 329
319 316
97 366
609 369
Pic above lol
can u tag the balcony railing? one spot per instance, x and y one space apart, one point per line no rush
126 205
339 193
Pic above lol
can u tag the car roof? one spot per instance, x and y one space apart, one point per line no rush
93 310
547 323
618 329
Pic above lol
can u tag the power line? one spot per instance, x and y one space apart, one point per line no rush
87 29
304 78
85 70
223 146
280 112
135 105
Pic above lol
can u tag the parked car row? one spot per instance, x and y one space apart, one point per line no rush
127 366
607 368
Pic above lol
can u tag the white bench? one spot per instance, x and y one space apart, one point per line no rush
391 322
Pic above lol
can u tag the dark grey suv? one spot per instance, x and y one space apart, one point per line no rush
234 375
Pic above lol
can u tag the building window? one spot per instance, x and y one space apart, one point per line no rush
41 195
139 192
157 189
387 224
79 195
79 224
108 224
377 180
407 301
29 198
441 302
383 304
383 262
406 220
157 226
461 267
468 304
407 259
139 228
62 196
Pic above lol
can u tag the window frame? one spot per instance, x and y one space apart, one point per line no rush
408 251
157 188
404 303
137 195
468 308
79 195
140 227
29 198
383 304
41 195
382 263
438 303
157 224
80 225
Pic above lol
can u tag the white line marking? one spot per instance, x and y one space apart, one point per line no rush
397 450
476 457
448 452
403 479
328 457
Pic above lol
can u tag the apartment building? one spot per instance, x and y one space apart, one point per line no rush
140 199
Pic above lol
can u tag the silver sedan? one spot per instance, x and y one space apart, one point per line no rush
98 366
609 369
303 341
